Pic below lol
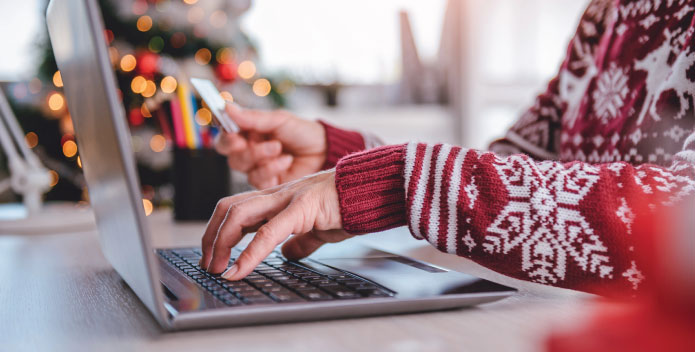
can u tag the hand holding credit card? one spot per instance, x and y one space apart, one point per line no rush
209 93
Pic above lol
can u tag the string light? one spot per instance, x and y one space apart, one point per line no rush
54 178
168 84
57 79
56 101
144 23
128 63
227 96
158 143
147 205
203 56
69 148
203 117
261 87
246 69
138 84
32 139
150 89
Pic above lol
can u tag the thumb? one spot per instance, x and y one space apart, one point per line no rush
255 120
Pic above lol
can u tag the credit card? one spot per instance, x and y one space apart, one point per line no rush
215 102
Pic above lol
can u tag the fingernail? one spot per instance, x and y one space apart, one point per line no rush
286 159
230 272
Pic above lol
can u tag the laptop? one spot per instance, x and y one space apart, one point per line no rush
346 280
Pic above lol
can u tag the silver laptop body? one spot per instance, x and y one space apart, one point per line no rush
173 297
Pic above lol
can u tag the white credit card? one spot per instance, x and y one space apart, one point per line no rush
215 102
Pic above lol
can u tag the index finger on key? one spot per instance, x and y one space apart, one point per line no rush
242 215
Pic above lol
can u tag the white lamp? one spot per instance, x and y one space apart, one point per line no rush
27 176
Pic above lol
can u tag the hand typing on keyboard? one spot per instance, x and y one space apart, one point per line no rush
307 207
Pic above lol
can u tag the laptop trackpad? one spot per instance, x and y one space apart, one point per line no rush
409 278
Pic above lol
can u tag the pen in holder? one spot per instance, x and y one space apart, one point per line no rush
201 179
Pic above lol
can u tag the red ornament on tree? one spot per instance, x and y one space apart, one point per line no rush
226 72
147 63
135 117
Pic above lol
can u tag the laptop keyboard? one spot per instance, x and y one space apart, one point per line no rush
276 280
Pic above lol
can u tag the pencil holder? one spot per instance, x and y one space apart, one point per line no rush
201 179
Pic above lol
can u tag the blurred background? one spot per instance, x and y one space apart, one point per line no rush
456 71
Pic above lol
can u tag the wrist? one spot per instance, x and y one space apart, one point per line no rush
371 189
339 143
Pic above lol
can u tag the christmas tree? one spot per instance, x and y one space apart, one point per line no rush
154 47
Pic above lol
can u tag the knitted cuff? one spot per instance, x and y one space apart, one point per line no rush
340 143
371 189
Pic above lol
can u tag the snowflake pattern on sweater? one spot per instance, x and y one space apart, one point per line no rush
555 200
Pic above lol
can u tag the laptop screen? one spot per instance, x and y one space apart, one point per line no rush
75 29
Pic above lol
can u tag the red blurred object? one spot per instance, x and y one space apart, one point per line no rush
226 72
147 63
662 318
66 137
135 117
108 34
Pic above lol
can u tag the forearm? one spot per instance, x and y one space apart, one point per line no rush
566 225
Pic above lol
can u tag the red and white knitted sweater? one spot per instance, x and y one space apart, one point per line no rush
554 201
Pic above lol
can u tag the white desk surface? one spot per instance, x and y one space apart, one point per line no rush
58 292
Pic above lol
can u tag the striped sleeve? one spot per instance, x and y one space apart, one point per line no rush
537 132
567 225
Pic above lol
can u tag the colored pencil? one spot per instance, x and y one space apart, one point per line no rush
177 121
187 117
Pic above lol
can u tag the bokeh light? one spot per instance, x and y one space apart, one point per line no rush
147 205
168 84
56 101
69 148
190 2
139 7
227 96
144 23
178 40
203 117
195 15
150 89
128 63
138 84
113 55
218 19
203 56
261 87
57 79
246 69
32 139
54 178
79 161
35 85
145 111
224 55
158 143
156 44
